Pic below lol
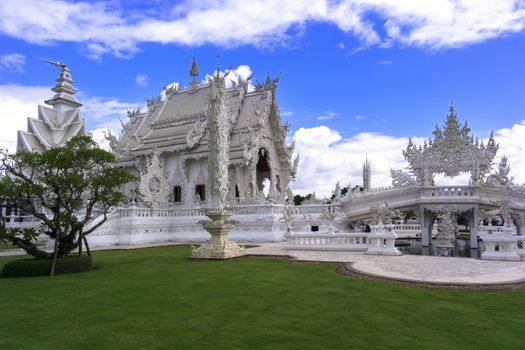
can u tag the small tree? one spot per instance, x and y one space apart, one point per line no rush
61 187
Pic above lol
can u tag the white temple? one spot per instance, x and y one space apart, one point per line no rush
168 148
223 146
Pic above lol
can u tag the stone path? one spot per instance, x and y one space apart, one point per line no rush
426 269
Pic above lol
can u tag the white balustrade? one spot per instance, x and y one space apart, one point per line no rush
450 191
351 241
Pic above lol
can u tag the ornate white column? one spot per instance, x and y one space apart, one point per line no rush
219 129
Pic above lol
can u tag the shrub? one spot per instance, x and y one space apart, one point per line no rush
41 267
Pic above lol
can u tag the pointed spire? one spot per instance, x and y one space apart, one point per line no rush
218 69
366 175
194 73
194 70
451 108
64 88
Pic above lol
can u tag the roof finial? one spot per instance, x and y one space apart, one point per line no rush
64 88
451 109
218 64
194 73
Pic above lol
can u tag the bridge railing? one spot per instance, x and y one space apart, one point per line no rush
450 191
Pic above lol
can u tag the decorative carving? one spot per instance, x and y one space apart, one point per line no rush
252 145
154 187
401 178
288 217
452 151
500 178
196 133
382 214
113 141
446 236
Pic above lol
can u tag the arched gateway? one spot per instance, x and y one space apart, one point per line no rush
452 150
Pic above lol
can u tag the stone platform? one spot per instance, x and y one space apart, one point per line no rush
414 268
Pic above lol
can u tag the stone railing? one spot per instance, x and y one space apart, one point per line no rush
249 209
351 241
317 208
450 191
412 230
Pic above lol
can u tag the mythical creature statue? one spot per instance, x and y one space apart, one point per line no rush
113 140
500 178
401 178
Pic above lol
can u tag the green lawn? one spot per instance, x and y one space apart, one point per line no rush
159 299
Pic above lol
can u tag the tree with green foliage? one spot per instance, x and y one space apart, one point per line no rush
298 199
62 187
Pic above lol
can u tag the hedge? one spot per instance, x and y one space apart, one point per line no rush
41 267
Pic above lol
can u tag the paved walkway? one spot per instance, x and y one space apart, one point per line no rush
427 269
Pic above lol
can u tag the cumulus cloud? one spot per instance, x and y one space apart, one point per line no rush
13 62
325 158
141 80
108 28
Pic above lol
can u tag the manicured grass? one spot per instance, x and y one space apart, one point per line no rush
159 299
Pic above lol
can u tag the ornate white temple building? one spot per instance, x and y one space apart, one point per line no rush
169 149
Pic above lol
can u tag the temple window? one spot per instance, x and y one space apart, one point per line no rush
200 190
263 171
237 195
177 194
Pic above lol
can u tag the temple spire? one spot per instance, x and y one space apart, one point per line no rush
64 88
218 69
366 175
451 109
194 73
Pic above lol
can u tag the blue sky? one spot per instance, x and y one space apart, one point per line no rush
355 75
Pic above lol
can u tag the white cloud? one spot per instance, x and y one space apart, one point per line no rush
359 117
327 115
511 145
384 62
340 45
16 104
325 158
13 62
141 80
107 27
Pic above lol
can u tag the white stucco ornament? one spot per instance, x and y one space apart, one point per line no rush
154 187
